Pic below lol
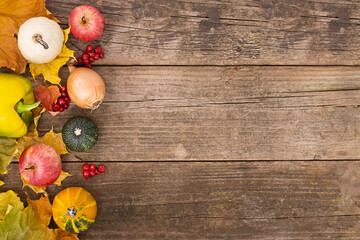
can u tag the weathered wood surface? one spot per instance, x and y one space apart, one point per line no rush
203 32
223 113
181 143
248 200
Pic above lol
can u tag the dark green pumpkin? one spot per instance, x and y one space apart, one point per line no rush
79 134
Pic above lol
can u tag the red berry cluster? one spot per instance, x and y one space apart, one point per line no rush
63 101
91 170
90 55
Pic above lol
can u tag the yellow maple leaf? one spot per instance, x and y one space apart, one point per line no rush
12 15
36 189
50 138
50 70
1 183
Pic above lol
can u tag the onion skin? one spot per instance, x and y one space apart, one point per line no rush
85 87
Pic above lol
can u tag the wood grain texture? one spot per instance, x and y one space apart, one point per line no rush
202 32
223 113
254 200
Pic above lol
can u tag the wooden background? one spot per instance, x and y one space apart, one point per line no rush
222 120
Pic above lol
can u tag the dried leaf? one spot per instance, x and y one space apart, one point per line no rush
12 15
7 151
17 222
42 209
64 235
58 181
55 140
34 188
50 138
50 70
62 176
47 96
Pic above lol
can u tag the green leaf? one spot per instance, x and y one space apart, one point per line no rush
17 222
7 151
29 223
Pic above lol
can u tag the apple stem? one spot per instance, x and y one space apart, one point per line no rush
30 168
37 38
83 19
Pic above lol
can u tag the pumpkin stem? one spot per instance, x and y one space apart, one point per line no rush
71 212
77 131
37 38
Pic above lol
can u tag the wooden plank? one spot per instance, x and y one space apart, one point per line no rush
223 113
244 200
233 32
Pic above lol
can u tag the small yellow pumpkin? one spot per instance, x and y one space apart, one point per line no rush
74 209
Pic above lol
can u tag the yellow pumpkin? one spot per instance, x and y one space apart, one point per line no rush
74 209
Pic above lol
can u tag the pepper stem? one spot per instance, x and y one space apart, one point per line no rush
22 107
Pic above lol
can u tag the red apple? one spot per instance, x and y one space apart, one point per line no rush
86 22
40 165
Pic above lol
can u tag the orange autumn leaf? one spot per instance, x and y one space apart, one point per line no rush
47 96
43 210
12 15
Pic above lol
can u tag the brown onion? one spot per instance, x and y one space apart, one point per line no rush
85 87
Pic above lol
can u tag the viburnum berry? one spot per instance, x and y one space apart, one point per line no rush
79 61
66 106
64 94
56 107
88 65
67 99
97 56
86 61
61 101
92 167
92 59
89 48
102 168
91 54
86 174
97 172
98 49
101 55
85 56
61 109
86 167
92 173
63 88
